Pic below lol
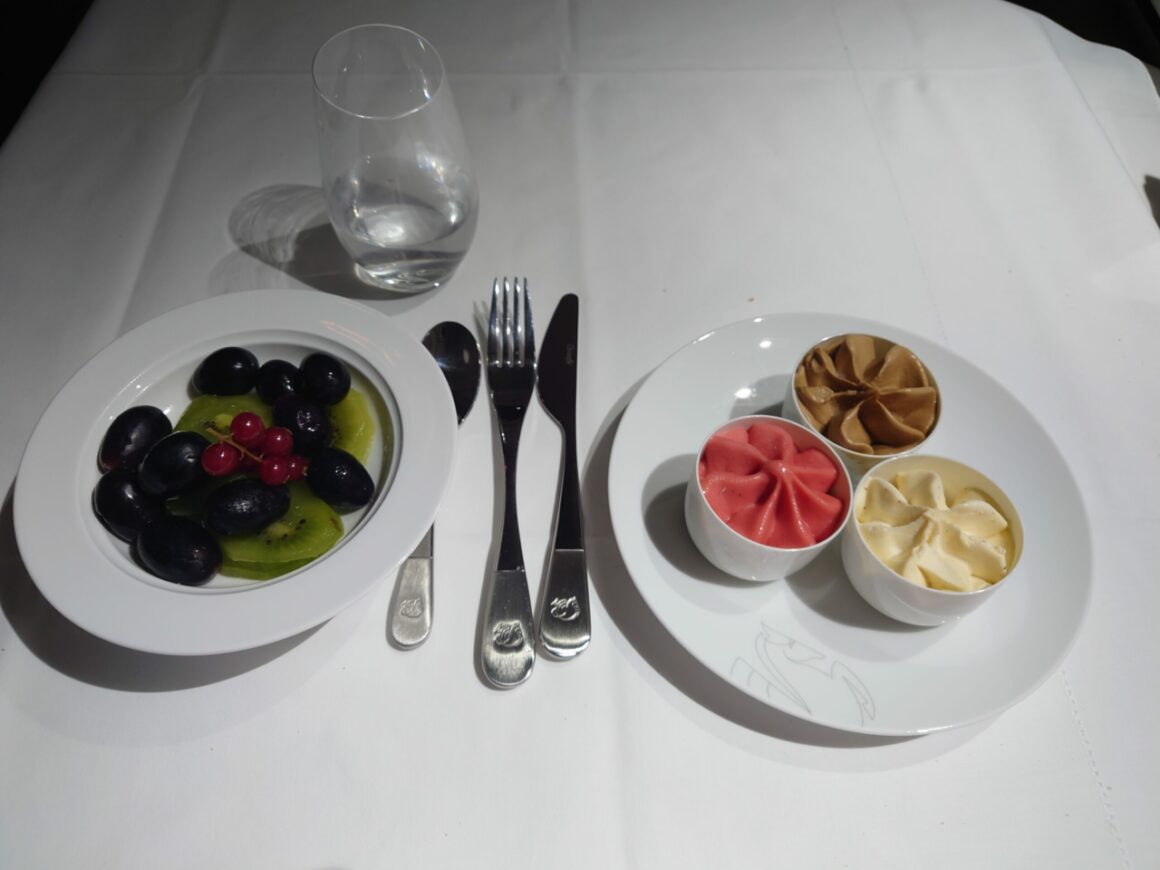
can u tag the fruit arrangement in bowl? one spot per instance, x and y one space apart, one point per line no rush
254 477
99 581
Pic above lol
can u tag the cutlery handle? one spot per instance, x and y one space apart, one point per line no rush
507 652
507 643
569 521
410 612
511 554
565 622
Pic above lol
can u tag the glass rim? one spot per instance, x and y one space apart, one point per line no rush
370 117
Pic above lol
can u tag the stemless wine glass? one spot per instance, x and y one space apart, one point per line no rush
401 195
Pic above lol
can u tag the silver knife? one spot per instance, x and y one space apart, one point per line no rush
564 624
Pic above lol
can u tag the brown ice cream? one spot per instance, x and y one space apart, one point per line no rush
867 394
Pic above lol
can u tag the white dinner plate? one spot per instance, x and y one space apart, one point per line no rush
91 577
809 645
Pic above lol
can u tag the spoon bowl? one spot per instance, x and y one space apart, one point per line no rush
457 354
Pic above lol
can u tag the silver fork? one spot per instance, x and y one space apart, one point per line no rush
507 644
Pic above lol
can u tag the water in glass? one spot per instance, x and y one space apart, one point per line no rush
404 232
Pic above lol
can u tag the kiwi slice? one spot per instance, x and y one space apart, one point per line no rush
352 426
260 571
204 411
309 528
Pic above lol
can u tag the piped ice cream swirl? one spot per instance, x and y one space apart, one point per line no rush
867 394
766 489
960 544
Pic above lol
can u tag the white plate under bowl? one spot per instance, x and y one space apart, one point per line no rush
809 645
90 576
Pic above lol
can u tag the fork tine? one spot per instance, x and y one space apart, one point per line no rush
518 306
530 335
509 348
493 341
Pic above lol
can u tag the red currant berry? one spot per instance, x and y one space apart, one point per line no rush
219 460
249 461
297 466
274 470
248 429
278 441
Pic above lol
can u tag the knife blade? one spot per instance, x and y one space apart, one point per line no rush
564 624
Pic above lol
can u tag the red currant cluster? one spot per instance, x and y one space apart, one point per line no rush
248 445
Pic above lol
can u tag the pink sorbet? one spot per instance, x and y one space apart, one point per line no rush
763 487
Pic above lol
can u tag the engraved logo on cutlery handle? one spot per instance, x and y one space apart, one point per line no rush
508 635
412 608
565 609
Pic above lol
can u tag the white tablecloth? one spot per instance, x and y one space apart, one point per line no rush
967 171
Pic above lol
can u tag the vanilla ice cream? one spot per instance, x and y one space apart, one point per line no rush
960 542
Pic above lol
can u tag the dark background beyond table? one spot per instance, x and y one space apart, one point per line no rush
1132 25
44 30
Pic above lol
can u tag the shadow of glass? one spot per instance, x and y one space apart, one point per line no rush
286 226
70 650
636 621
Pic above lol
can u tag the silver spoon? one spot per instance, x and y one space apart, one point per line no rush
457 353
